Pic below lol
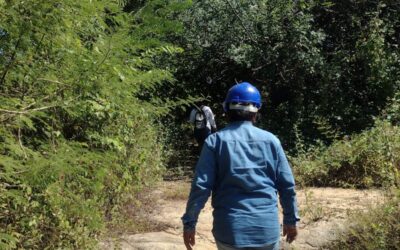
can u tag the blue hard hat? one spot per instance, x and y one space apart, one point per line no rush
243 93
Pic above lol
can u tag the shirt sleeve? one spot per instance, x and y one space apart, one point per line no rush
286 188
192 116
202 185
210 116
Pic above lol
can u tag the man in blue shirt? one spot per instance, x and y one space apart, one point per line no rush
244 168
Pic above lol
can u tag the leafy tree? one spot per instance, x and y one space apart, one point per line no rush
78 117
362 58
322 66
269 43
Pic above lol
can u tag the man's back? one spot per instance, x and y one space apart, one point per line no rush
209 116
204 123
245 194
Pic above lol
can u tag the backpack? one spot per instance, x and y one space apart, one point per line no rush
200 120
201 131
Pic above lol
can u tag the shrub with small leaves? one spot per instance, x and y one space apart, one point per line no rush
376 229
77 132
369 159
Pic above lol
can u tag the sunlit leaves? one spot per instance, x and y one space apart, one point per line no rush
78 108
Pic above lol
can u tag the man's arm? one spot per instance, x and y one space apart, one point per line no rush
287 195
201 189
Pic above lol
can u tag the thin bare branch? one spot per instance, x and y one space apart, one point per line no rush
12 60
105 57
21 112
50 80
247 29
20 142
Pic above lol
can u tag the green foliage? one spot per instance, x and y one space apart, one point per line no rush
269 43
78 114
88 89
312 60
376 229
362 59
392 111
369 159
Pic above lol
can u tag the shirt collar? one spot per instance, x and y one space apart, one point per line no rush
240 123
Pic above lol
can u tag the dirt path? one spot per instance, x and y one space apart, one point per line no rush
323 211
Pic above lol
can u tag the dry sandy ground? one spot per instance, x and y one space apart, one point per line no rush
323 211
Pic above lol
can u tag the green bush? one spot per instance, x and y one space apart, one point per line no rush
79 128
62 199
377 229
369 159
392 111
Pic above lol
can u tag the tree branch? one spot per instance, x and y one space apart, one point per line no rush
49 80
20 142
105 57
247 29
12 59
21 112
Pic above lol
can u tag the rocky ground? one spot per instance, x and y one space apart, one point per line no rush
324 213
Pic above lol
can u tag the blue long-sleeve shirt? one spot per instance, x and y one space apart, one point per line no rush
244 168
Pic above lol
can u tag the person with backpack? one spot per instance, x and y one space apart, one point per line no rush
203 123
244 168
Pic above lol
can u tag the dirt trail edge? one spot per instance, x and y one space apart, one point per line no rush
323 211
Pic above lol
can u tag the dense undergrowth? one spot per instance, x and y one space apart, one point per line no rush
365 160
376 229
368 159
